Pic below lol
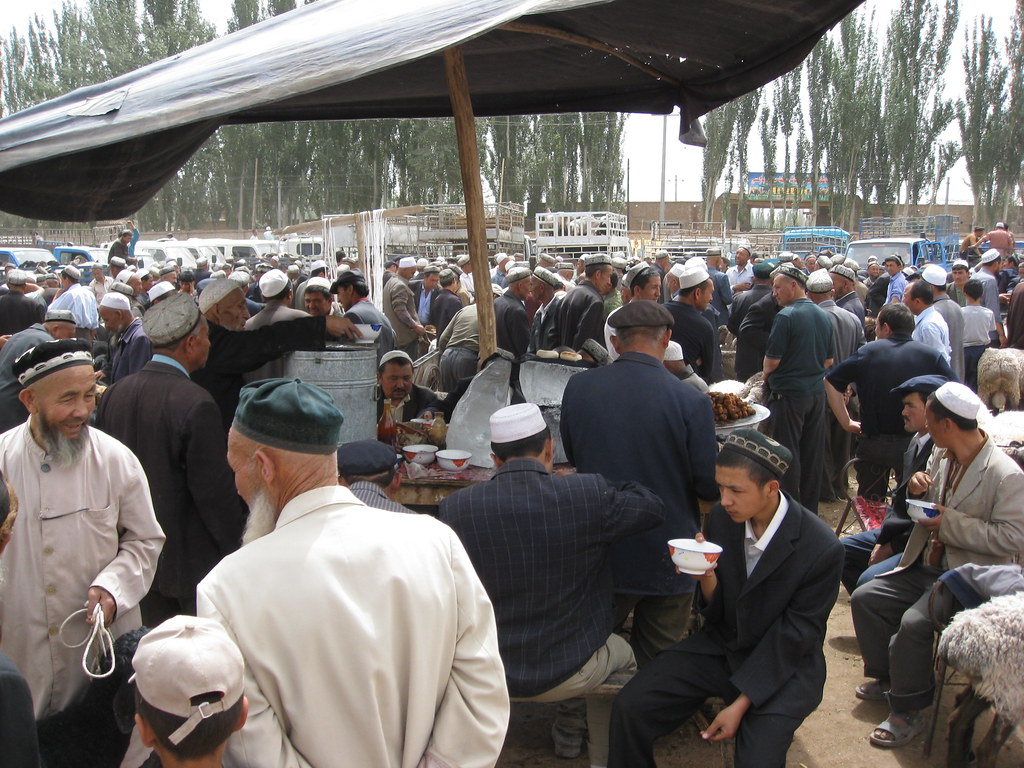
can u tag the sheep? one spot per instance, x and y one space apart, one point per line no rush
986 645
999 378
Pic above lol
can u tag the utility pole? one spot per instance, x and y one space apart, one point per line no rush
664 151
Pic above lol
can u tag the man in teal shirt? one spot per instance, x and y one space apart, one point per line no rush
800 349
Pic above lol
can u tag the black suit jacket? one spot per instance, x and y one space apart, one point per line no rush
172 425
18 744
897 526
770 626
752 340
510 324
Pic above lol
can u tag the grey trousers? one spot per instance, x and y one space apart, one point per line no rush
895 633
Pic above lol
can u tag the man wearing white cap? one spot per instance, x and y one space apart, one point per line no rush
943 305
277 294
986 275
930 328
1000 239
502 262
130 348
399 307
692 330
977 492
90 538
18 311
317 269
160 291
540 544
79 299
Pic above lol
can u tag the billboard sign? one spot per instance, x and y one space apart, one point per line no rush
759 188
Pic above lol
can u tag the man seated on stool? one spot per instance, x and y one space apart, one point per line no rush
394 383
540 546
369 469
765 604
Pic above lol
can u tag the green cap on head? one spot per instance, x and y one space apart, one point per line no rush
289 414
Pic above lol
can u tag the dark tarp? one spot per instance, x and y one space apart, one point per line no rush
102 151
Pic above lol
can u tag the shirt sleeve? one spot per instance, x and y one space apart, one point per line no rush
778 339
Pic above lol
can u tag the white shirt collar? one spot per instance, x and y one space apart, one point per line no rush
773 526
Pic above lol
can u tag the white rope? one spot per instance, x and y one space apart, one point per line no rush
98 635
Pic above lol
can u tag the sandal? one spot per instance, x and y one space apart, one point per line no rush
900 728
871 691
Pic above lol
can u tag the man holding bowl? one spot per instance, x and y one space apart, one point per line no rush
765 603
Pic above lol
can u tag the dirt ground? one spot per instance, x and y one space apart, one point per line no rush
836 735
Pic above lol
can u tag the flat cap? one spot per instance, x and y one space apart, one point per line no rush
430 269
634 272
760 448
288 414
463 260
348 277
819 282
171 320
366 458
794 273
216 292
923 384
186 276
17 277
893 257
50 357
641 313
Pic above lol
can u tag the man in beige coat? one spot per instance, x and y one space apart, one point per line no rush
87 534
400 308
367 637
978 518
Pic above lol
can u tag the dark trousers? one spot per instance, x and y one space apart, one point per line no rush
837 453
668 691
456 363
798 422
659 622
881 454
971 357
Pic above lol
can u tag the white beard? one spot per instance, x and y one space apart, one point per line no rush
262 519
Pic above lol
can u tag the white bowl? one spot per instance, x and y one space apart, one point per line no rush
920 510
692 556
452 459
421 454
370 332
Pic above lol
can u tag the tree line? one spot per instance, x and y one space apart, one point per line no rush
873 117
277 174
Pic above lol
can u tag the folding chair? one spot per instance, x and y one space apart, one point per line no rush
869 513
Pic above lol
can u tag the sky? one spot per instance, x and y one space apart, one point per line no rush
643 139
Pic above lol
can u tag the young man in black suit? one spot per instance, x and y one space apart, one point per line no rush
765 605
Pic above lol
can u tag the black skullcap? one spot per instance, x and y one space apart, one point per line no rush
50 357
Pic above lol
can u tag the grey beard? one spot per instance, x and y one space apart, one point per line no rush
63 451
262 519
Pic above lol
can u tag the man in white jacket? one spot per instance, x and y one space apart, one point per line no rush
367 637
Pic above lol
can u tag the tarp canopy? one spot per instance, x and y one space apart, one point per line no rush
102 151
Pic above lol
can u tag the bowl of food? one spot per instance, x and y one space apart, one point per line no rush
452 459
370 332
420 454
692 556
920 510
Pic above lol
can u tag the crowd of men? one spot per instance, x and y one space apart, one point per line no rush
169 476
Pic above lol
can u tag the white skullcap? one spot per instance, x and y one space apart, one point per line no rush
319 282
516 422
959 399
113 300
674 352
960 263
934 274
273 282
694 261
677 269
693 275
159 289
819 282
215 292
407 262
989 256
318 264
501 258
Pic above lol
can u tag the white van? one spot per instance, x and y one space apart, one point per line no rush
151 253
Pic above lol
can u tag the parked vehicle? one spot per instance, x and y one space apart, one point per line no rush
156 252
805 241
79 254
20 256
914 251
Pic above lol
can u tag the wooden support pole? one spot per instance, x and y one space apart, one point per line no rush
469 161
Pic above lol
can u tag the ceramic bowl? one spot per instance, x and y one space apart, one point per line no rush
692 556
921 510
421 454
370 332
452 459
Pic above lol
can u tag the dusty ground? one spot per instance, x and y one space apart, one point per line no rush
835 735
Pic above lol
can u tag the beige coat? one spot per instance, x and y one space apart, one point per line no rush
368 641
91 524
400 310
984 518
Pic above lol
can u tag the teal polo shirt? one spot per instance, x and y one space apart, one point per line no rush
801 340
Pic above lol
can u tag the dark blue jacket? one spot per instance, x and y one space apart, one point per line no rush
540 546
633 420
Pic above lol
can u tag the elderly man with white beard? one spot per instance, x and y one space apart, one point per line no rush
367 637
89 537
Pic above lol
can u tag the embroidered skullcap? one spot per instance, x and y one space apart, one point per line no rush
989 256
597 260
366 458
618 262
59 316
794 273
123 288
430 269
50 357
171 320
754 445
273 282
117 261
496 289
819 282
934 274
516 274
159 290
168 269
448 277
548 259
395 354
547 276
182 659
289 414
17 277
786 256
71 273
824 262
215 292
633 273
516 422
463 260
959 399
713 251
641 313
113 300
843 271
566 265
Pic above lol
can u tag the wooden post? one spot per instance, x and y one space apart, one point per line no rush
469 160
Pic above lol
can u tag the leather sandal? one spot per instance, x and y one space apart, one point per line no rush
871 691
900 728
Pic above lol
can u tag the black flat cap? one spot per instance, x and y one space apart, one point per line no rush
641 313
365 458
